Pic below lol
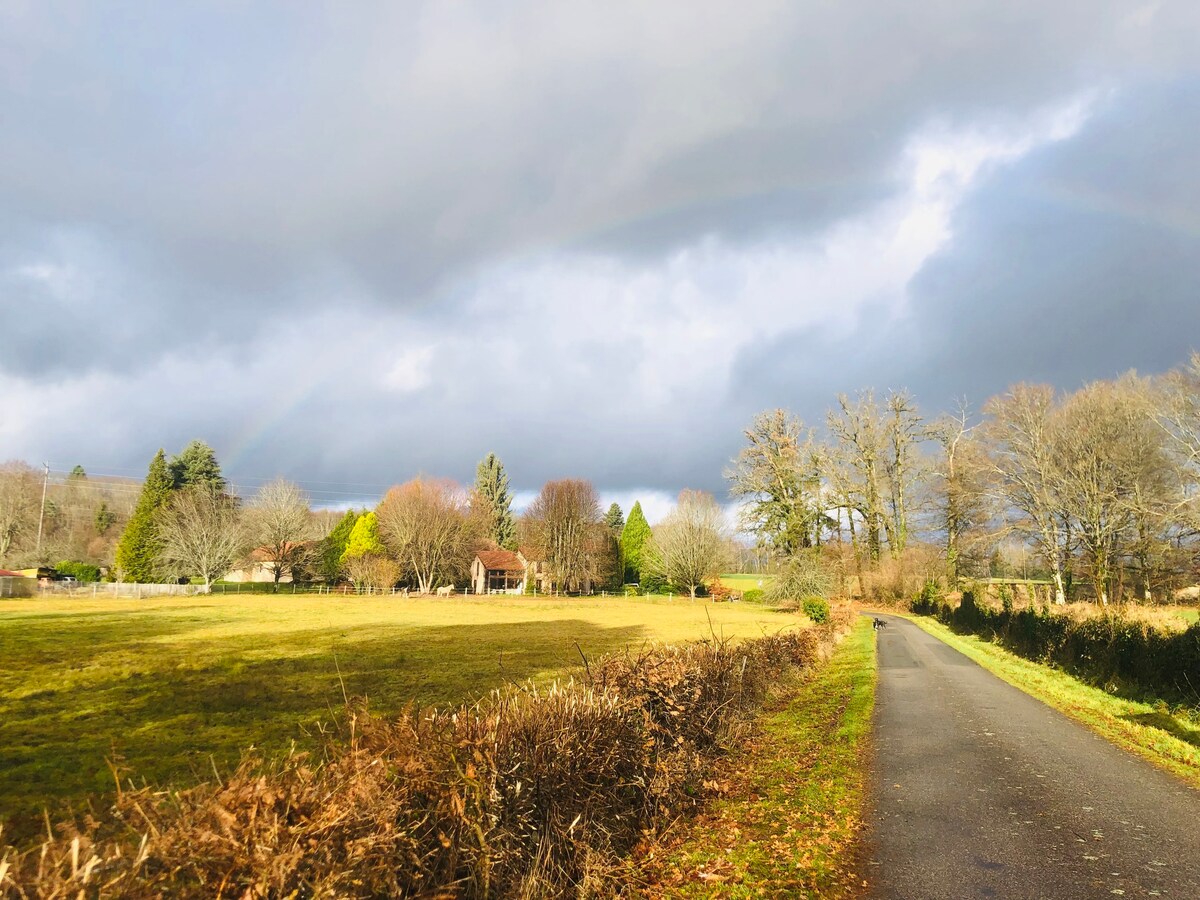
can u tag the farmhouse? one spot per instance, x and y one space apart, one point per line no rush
259 566
506 572
498 572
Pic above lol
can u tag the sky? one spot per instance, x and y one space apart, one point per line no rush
350 243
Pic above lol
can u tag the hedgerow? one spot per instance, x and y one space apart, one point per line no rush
530 788
1110 650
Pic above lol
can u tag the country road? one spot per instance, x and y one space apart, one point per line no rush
982 791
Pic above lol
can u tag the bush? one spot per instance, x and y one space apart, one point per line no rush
802 576
80 571
754 595
530 789
817 609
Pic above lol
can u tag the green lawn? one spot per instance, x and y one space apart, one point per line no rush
176 685
746 582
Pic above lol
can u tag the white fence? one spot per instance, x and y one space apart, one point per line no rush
116 589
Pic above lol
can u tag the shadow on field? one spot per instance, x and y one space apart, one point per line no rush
1167 723
77 693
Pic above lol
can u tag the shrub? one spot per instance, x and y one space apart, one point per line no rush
531 788
802 576
719 592
817 609
754 595
80 571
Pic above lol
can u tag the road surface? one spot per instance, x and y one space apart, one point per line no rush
982 791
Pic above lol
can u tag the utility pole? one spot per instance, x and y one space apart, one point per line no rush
42 514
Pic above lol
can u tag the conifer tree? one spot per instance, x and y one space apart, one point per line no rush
105 518
364 538
634 536
491 486
197 466
137 552
329 562
615 519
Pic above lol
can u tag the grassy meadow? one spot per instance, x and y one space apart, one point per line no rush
176 686
746 582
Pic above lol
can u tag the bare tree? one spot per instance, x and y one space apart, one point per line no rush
960 485
861 433
370 570
778 476
20 485
564 526
1177 411
279 522
691 545
426 525
905 432
1025 463
1115 479
200 534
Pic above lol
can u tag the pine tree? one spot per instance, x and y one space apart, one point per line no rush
615 519
491 485
329 563
364 538
137 552
105 518
197 466
77 474
634 536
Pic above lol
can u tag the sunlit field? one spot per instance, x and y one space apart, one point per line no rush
175 687
746 582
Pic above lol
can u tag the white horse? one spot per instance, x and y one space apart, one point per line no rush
445 591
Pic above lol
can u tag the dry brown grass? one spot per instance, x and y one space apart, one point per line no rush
529 793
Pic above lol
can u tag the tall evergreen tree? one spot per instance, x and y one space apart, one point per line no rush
329 562
634 536
197 466
615 519
491 486
364 539
138 549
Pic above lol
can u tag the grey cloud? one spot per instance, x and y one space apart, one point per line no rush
260 159
1078 262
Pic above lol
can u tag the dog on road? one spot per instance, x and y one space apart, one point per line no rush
878 623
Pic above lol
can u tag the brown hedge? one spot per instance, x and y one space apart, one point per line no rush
532 792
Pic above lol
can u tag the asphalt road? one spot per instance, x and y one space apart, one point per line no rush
982 791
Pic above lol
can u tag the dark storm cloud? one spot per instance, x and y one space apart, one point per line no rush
259 158
1076 263
349 245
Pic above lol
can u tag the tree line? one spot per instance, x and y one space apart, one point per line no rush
188 524
1095 491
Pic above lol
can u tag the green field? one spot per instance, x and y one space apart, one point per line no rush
746 582
176 686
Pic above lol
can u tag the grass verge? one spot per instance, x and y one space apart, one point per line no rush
1169 741
790 811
